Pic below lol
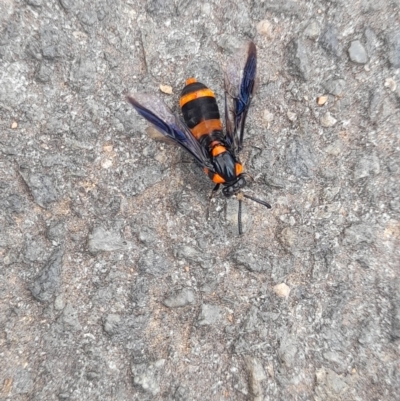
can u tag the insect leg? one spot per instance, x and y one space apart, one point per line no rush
261 202
214 191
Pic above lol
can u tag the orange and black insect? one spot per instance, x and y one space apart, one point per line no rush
202 134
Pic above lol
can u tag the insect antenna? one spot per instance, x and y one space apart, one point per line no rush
261 202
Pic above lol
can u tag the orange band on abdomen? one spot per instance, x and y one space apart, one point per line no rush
238 169
217 150
195 95
206 127
217 179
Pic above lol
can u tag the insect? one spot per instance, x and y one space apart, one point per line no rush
201 134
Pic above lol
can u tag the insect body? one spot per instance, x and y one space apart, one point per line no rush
201 114
202 134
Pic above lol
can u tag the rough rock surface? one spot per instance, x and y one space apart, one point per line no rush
114 284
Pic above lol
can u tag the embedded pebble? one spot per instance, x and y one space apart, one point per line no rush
111 324
327 120
288 237
154 263
393 42
146 376
357 52
329 41
41 186
358 233
268 117
184 297
106 163
288 350
282 290
49 280
274 182
391 84
189 253
56 231
245 259
291 116
59 303
166 89
265 28
335 148
312 30
256 377
102 240
367 166
335 86
329 384
298 60
69 318
209 315
371 41
44 73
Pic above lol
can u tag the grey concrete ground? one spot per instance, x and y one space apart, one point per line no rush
113 283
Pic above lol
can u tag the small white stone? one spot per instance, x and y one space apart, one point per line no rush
312 30
264 27
267 117
327 120
206 8
291 116
282 290
321 100
107 163
166 89
389 83
357 52
334 149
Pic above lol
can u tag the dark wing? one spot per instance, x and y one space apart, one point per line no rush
154 110
240 75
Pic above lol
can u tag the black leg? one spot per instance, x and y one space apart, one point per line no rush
215 190
261 202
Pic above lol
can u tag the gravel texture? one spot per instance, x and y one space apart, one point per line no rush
114 284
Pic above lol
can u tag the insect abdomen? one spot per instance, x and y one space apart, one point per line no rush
200 109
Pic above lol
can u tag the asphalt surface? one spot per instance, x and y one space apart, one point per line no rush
119 282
